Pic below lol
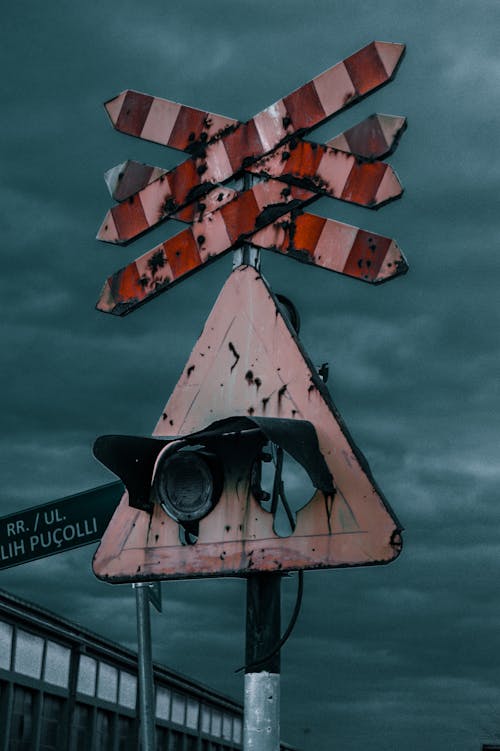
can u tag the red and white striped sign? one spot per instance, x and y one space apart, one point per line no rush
271 213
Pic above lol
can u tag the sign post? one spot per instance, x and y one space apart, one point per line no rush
261 716
145 664
195 505
261 699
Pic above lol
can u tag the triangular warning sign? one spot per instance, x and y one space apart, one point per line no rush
248 362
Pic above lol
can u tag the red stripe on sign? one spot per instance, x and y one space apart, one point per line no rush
134 112
187 128
124 285
304 107
308 228
182 180
188 213
303 160
362 183
367 255
129 218
182 253
367 138
239 215
366 69
134 177
243 143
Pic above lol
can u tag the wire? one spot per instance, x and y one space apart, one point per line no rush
278 493
288 510
278 463
289 628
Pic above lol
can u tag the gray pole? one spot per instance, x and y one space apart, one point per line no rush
261 711
145 664
247 255
261 723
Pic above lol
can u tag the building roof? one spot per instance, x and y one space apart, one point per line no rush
50 623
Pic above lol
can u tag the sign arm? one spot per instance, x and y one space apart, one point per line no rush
334 246
374 138
306 237
164 121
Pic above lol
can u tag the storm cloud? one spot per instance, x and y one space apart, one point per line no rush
403 656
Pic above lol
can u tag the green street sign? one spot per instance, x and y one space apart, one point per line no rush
57 526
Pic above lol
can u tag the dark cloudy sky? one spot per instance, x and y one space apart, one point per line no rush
399 657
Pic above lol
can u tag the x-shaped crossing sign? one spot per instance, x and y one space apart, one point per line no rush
292 172
248 382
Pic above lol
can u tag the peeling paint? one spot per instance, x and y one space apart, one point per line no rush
270 145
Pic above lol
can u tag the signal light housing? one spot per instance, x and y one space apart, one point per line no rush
186 474
187 483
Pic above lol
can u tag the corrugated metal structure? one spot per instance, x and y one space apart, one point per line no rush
64 688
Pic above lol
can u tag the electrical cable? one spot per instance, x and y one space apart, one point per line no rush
278 493
289 628
278 463
288 510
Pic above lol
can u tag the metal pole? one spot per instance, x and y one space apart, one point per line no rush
261 725
261 720
247 255
145 664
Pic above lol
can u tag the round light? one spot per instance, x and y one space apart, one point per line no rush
185 485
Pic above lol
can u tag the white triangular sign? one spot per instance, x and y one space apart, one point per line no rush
248 362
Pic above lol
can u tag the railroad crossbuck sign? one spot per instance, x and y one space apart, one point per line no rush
195 503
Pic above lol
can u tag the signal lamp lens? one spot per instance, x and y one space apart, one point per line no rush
186 485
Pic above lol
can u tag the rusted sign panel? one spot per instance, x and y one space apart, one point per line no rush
127 178
323 242
270 145
194 504
323 169
373 138
249 363
332 173
165 122
334 246
212 235
233 148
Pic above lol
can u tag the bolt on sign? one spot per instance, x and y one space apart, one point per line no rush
196 501
57 526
